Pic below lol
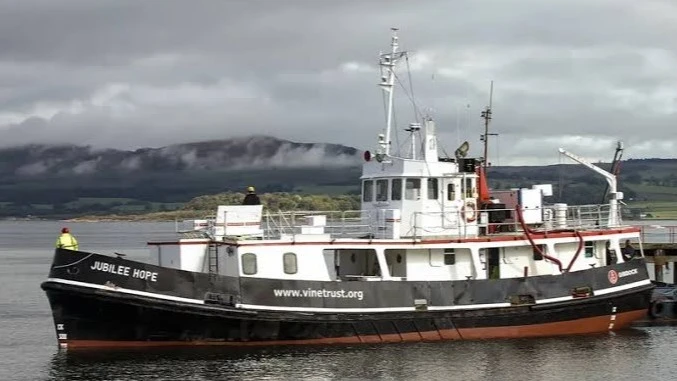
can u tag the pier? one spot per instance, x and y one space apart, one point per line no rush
659 244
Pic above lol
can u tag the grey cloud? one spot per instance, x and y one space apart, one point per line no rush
129 74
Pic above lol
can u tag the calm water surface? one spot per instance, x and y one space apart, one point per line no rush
28 348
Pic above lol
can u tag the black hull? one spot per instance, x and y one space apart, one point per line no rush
102 316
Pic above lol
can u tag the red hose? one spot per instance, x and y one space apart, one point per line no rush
528 232
578 251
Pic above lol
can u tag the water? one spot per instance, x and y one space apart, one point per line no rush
28 348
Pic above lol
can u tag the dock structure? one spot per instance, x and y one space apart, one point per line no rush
659 244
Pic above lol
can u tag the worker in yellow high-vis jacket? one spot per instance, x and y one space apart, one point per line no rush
66 240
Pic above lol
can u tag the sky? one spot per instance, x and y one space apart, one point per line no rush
578 74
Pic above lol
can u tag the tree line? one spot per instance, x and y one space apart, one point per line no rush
279 201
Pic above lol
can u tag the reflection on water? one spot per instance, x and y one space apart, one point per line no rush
629 355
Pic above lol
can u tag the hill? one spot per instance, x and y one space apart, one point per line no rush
62 181
66 181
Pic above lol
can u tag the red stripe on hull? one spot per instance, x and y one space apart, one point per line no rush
391 338
368 339
431 336
410 336
590 325
573 327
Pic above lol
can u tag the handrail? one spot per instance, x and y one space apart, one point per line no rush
658 233
369 223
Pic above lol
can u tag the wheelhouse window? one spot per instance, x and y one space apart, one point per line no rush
432 189
396 193
412 189
381 190
451 192
289 263
468 188
249 264
368 191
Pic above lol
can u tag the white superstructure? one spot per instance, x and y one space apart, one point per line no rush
422 217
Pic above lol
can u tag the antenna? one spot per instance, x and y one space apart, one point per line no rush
387 61
486 115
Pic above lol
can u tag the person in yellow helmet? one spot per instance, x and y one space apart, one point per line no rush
251 198
66 240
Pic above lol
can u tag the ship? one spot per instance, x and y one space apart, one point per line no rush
433 254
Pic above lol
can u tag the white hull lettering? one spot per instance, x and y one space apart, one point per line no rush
627 273
124 271
310 293
144 274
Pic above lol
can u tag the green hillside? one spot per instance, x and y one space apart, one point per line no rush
650 187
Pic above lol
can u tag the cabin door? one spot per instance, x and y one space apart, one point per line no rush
493 263
451 201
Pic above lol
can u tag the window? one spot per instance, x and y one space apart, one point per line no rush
451 192
381 190
468 188
289 263
249 264
396 190
449 257
432 189
368 191
589 249
412 189
537 254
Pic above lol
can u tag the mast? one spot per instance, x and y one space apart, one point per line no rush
387 61
486 115
615 166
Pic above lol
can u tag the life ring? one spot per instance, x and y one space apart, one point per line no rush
469 211
657 309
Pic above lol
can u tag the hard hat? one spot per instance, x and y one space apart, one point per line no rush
65 230
250 189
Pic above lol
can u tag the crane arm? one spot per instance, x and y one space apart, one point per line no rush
614 217
607 175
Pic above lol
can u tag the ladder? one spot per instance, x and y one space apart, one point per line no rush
213 257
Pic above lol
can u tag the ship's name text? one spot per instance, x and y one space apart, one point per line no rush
627 273
124 271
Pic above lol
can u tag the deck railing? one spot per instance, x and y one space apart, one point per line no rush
369 224
338 224
577 217
658 233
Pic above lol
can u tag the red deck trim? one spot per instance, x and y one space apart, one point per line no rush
597 324
164 243
501 238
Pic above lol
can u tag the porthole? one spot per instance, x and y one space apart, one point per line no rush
289 263
249 264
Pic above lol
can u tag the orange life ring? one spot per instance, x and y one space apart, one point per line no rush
469 211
